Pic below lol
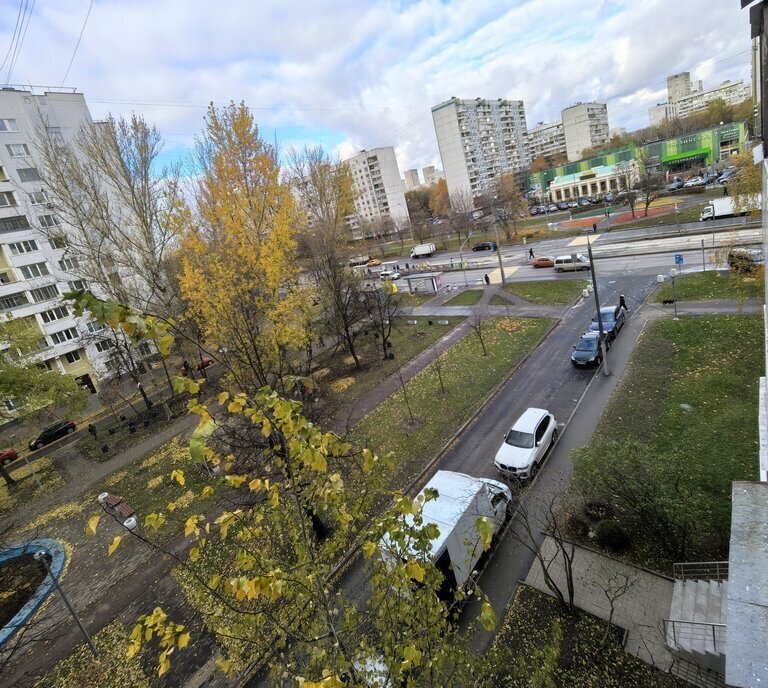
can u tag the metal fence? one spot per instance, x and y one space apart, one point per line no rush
700 570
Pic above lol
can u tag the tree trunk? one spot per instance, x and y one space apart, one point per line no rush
6 476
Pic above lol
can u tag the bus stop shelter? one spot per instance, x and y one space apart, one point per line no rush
425 282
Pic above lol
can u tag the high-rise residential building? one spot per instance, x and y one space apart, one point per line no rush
546 139
411 180
685 97
585 125
479 140
37 267
431 175
380 192
678 86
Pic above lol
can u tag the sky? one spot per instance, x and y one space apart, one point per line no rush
355 74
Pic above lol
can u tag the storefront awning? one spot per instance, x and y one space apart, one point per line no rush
688 154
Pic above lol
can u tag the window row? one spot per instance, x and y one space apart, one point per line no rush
70 357
39 295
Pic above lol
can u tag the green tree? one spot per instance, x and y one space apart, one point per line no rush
29 386
745 185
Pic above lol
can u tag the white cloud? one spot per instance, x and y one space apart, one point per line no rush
368 73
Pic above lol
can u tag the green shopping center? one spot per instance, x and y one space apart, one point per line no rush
691 151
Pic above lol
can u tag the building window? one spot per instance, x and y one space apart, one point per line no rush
58 242
45 365
72 356
49 221
28 174
145 349
38 197
10 224
34 270
69 264
54 314
7 198
19 247
94 326
17 150
76 285
104 345
9 125
54 133
5 278
13 301
44 293
64 336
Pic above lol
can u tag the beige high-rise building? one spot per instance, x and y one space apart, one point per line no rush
479 140
678 86
585 125
379 187
546 139
411 180
431 175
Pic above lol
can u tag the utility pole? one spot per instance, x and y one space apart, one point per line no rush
703 258
498 245
603 348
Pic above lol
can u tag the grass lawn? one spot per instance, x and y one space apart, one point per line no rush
688 403
466 298
588 653
82 670
712 284
26 489
408 300
468 377
557 292
341 384
497 300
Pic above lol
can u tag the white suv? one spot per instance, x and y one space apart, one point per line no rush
389 275
525 445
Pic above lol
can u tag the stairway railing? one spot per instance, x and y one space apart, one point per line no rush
700 570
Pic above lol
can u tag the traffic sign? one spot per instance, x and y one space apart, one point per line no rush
678 258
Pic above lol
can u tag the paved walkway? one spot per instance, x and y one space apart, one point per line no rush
641 599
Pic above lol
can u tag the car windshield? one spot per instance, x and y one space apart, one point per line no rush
587 345
607 314
516 438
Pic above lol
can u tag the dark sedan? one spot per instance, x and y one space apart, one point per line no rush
53 433
613 321
587 352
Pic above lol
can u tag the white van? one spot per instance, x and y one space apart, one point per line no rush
573 262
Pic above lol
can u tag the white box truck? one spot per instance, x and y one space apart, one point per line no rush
422 250
461 501
723 207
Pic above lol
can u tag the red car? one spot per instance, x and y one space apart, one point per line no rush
7 456
543 262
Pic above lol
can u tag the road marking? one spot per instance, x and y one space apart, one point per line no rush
584 239
495 276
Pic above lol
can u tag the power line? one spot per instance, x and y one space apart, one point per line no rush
80 38
20 42
15 33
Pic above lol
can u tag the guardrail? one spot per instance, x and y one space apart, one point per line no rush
691 631
700 570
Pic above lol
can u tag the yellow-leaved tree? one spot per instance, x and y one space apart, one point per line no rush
240 276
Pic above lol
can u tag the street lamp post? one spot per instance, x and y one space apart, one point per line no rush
601 331
498 245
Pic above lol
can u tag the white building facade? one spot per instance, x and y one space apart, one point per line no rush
431 175
379 189
36 267
585 125
546 139
411 180
479 140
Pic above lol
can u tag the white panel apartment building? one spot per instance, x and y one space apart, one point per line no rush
431 175
411 180
34 270
379 188
585 125
546 139
479 140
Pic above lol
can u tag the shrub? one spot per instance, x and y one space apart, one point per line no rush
611 535
598 511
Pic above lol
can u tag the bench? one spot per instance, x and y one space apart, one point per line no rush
115 505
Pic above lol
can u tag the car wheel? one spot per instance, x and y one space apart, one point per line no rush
558 269
554 438
534 470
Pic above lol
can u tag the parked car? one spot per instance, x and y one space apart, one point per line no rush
745 259
726 175
8 456
389 275
587 351
613 320
543 262
573 204
485 246
583 202
533 210
563 205
674 186
693 181
525 445
709 178
551 208
609 198
52 433
373 262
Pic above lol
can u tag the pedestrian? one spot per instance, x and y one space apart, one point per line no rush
530 254
487 279
451 261
725 189
623 303
407 267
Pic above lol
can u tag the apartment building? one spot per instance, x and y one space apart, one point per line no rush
37 267
479 140
379 190
585 125
431 175
685 97
546 139
411 180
